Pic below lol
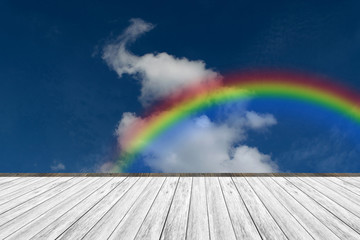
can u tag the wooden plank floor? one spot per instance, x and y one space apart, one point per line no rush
198 206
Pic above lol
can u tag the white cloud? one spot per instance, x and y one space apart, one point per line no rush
202 145
249 159
57 166
126 122
258 121
159 74
205 146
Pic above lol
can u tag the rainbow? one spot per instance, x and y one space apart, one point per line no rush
236 87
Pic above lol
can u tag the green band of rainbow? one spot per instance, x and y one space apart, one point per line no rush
322 95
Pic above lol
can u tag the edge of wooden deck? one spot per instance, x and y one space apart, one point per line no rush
180 174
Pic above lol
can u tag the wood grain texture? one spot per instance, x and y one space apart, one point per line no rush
7 179
344 184
60 224
74 200
242 222
176 221
21 187
335 196
343 191
73 194
107 224
289 225
180 206
8 196
18 206
13 182
82 226
355 178
350 180
265 223
154 221
131 222
320 206
220 224
315 227
198 221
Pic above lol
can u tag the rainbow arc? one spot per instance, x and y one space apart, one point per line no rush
237 87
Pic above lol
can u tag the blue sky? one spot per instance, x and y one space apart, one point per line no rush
61 101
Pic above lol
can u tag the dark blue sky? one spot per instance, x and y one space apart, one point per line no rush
60 102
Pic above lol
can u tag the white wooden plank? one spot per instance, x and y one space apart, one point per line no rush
289 225
14 182
198 221
343 191
23 187
68 210
264 222
351 181
243 224
130 224
176 221
70 196
309 198
335 208
11 187
24 192
106 225
16 207
356 179
344 184
316 228
204 208
336 197
6 180
154 221
57 227
219 219
79 228
13 200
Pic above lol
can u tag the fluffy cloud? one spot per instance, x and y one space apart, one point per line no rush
249 159
258 121
202 145
205 146
159 74
127 121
